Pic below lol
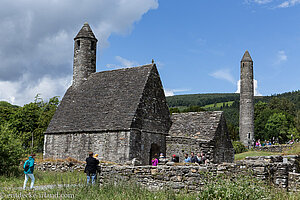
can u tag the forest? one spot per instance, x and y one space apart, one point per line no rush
276 117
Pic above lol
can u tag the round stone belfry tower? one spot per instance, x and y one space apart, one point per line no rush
246 131
84 64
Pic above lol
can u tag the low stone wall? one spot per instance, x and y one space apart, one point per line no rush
274 148
294 181
281 171
60 166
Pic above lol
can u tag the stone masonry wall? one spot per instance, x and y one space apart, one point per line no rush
181 145
282 171
141 142
111 146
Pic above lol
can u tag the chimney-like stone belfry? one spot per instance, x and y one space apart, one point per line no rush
246 127
84 64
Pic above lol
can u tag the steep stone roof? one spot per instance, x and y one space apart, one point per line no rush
197 125
105 101
85 32
246 57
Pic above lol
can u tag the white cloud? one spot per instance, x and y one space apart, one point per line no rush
281 57
256 92
282 4
124 63
223 74
171 92
288 3
262 1
39 39
16 93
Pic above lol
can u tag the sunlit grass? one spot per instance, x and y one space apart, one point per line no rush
295 150
242 156
44 178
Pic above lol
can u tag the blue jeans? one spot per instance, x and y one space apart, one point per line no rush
27 176
93 176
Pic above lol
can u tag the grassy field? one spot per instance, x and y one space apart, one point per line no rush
292 151
44 178
218 105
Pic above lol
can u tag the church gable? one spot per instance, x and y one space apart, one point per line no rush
153 114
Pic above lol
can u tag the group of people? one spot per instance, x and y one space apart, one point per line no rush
265 143
199 159
91 169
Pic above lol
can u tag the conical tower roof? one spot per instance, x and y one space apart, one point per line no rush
246 56
85 32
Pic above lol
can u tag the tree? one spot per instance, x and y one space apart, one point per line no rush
31 121
11 150
278 127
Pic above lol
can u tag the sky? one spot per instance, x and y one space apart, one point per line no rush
197 45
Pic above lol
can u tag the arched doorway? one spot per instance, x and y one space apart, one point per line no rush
155 149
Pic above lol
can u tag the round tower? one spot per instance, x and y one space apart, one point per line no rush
85 44
246 127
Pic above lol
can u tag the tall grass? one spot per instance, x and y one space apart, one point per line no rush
221 187
44 178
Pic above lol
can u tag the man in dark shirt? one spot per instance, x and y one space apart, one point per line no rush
91 168
193 158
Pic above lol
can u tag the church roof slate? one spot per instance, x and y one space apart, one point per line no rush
197 125
107 100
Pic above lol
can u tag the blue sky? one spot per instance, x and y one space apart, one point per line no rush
196 44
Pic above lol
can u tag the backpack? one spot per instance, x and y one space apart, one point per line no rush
26 166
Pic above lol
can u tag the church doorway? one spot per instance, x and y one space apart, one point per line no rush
154 150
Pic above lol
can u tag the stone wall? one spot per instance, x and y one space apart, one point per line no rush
145 145
294 181
281 171
181 145
193 177
274 148
118 146
77 145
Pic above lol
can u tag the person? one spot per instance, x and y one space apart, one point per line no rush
203 158
98 166
154 160
175 158
199 161
28 171
257 144
91 168
187 159
162 159
193 158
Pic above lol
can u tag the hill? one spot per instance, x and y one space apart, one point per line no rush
201 99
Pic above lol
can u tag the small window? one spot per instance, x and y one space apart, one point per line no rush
248 135
78 44
243 64
93 45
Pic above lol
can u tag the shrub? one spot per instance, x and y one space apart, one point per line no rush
239 147
11 151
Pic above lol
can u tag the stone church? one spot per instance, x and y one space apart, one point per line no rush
120 114
200 132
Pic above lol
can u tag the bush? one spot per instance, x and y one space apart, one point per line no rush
239 147
11 151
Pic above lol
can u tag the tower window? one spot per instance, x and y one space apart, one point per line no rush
93 45
248 135
78 44
243 64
